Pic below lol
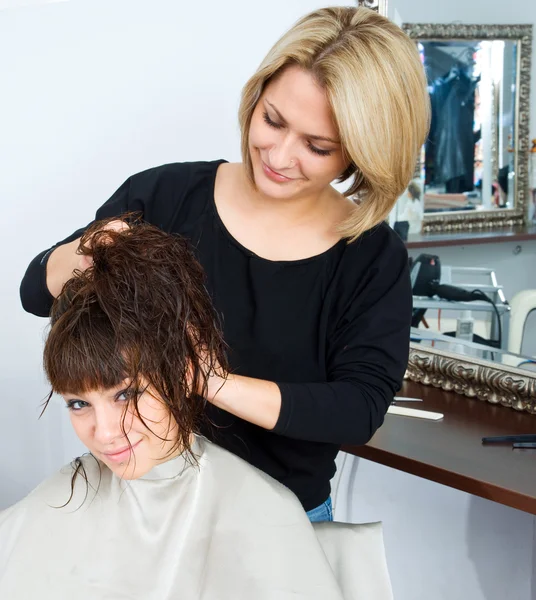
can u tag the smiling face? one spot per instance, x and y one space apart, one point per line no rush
293 141
129 440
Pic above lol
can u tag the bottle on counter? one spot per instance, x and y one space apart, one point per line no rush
465 326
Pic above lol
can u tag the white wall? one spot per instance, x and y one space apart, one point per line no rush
93 91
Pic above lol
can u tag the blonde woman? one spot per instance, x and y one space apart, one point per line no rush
312 285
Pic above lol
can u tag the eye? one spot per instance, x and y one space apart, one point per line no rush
76 405
269 121
318 151
129 394
126 395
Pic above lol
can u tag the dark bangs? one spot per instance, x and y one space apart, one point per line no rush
82 353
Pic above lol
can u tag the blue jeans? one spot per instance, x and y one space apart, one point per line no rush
324 512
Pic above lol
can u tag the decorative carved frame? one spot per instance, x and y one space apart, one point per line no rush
465 220
472 377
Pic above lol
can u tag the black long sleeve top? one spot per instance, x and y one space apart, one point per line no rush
331 330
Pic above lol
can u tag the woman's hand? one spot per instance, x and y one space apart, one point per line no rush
210 379
66 259
254 400
86 260
215 382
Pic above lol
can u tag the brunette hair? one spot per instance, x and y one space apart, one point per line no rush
142 312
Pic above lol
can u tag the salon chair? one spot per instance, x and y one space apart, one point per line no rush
521 305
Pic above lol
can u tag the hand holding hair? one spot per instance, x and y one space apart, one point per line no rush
86 259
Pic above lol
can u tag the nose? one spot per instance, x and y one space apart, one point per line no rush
108 424
282 154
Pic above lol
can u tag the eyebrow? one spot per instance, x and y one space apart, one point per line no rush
313 137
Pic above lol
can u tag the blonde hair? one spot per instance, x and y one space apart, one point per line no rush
376 87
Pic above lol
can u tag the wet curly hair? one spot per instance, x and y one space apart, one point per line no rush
140 312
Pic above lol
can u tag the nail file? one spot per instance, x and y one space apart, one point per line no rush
403 411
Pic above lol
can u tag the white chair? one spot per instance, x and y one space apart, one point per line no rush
357 556
521 305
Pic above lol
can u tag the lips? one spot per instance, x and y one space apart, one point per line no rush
121 454
274 175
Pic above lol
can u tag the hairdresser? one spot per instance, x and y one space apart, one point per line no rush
312 285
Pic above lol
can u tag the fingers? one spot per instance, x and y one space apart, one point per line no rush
114 226
86 260
117 225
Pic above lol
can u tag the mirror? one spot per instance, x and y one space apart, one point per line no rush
498 384
473 170
469 350
468 159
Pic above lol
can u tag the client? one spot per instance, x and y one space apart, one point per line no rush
154 511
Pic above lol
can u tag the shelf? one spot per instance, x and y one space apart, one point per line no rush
465 238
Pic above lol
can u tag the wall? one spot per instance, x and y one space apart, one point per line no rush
93 91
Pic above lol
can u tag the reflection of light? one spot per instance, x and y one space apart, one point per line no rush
497 58
420 48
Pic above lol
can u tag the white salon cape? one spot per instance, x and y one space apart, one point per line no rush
216 531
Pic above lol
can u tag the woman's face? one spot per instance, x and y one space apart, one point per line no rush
109 426
293 141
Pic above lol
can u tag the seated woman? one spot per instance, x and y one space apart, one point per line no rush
154 511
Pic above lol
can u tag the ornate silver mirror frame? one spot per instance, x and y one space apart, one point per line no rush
474 378
458 221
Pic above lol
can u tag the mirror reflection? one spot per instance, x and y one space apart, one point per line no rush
468 160
473 168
